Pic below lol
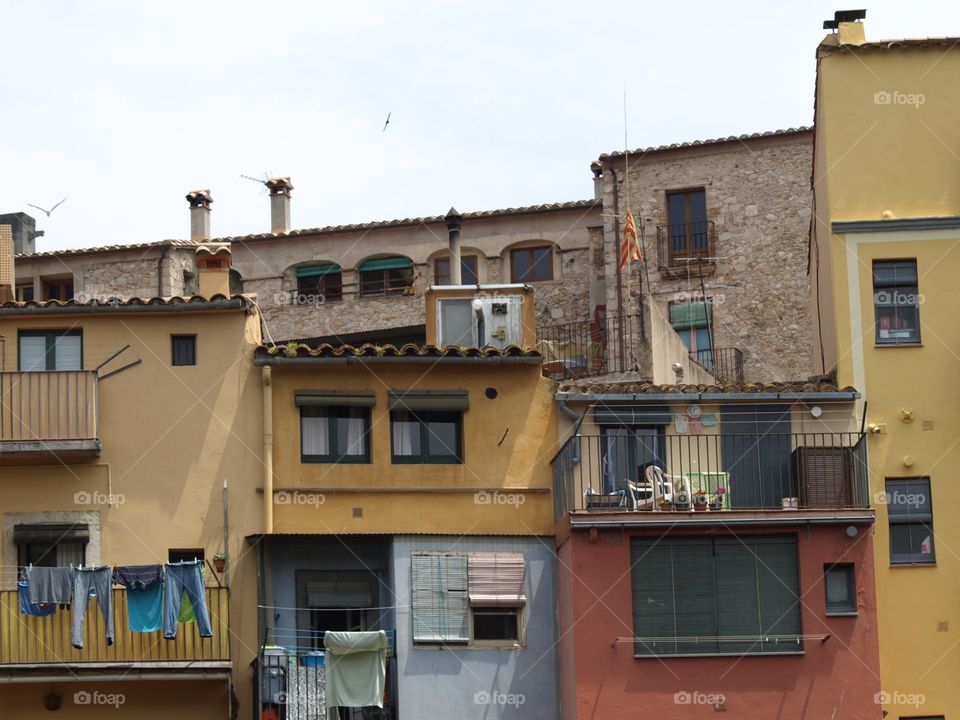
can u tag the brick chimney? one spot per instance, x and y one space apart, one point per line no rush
848 27
280 188
213 269
199 214
7 292
25 231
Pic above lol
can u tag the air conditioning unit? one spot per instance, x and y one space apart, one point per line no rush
480 321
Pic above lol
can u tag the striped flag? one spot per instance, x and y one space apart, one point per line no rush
630 247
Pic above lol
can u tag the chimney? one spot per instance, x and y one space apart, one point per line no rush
849 29
24 230
7 292
213 269
597 168
199 214
453 220
280 188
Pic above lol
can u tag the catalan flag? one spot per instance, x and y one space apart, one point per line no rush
629 247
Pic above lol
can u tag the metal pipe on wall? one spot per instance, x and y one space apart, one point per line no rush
267 449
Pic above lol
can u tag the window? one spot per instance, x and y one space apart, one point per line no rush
840 589
532 264
688 229
318 284
896 302
468 270
25 292
50 350
176 555
692 322
426 436
468 597
910 512
333 600
51 544
385 276
184 349
58 289
715 596
334 434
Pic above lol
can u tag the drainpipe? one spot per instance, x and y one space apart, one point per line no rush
454 220
267 449
577 420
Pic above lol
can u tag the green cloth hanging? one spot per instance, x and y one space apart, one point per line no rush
187 613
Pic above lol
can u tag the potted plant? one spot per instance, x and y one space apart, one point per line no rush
716 501
700 500
682 500
665 504
220 561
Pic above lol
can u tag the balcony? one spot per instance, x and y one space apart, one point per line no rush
589 348
725 364
28 641
684 246
50 415
704 477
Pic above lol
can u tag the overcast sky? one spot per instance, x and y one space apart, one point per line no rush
122 109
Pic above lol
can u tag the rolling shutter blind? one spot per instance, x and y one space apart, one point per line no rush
33 352
496 579
66 353
429 400
439 604
335 398
653 609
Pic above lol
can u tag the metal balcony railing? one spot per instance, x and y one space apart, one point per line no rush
56 406
684 244
726 364
30 640
589 348
632 471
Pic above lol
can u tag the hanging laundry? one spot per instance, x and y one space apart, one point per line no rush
35 609
187 614
681 423
49 584
696 427
92 583
356 668
184 579
144 585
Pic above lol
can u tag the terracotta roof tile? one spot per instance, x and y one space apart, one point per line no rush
175 301
906 43
108 249
646 388
300 350
713 141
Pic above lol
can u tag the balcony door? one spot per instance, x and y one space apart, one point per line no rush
756 454
687 217
627 451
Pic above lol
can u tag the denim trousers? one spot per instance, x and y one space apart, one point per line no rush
184 577
100 581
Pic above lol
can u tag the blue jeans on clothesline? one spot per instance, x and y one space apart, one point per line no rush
184 577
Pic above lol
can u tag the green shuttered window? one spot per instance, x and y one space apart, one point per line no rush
727 596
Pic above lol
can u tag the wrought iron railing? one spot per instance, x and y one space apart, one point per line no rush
726 364
48 406
703 471
683 244
589 348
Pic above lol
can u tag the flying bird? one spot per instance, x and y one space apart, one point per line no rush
44 209
386 123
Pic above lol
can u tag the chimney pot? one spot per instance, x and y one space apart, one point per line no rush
199 214
280 188
454 221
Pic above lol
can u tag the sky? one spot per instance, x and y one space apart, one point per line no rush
123 107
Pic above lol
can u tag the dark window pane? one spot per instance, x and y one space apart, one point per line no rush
426 437
909 500
698 206
442 438
520 260
896 301
496 624
184 350
912 543
441 271
543 264
839 586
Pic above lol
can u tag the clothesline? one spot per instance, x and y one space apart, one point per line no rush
381 607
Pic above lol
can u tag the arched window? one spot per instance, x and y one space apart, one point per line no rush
323 280
385 276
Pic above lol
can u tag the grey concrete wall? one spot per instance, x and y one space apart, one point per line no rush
477 684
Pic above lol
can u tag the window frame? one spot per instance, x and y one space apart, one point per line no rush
530 250
424 457
49 354
465 262
690 248
835 608
906 519
334 412
22 289
516 610
173 349
319 285
385 287
63 283
898 288
23 548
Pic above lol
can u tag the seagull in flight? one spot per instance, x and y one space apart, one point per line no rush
44 209
386 123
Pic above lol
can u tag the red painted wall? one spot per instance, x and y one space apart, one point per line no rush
836 679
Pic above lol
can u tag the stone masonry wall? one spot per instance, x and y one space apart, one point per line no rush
758 196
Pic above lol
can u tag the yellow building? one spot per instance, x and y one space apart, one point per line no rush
130 433
884 256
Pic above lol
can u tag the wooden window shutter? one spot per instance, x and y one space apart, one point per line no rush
496 579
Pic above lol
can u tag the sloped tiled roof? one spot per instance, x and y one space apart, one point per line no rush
299 350
905 43
711 141
645 388
168 302
108 249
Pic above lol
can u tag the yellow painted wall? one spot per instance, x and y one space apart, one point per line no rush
502 487
170 437
874 158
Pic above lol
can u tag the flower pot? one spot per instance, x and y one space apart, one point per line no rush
701 506
716 505
219 564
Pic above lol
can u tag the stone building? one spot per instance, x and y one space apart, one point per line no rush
724 226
